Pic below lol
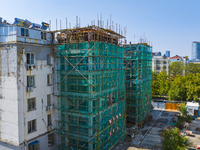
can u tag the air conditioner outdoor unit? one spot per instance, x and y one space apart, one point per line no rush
30 67
29 89
48 108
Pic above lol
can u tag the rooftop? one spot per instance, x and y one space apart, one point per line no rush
175 57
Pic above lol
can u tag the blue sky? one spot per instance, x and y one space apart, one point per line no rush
168 24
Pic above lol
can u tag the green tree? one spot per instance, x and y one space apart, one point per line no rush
193 86
178 89
155 83
182 109
176 68
192 68
174 141
163 83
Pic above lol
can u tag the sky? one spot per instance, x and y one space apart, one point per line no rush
166 24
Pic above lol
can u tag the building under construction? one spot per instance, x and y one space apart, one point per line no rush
91 88
138 64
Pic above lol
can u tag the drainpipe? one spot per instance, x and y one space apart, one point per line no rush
25 145
24 109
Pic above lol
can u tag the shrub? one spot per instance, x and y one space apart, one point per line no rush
174 141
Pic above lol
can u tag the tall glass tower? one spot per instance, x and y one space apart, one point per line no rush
195 50
167 53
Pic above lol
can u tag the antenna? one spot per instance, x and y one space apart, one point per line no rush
101 20
110 21
49 25
56 24
66 22
60 25
98 20
79 22
112 25
76 21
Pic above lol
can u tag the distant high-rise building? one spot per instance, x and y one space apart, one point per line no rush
195 50
167 53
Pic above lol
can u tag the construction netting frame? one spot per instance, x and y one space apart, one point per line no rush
138 62
91 95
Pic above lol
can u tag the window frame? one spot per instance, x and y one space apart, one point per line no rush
34 98
49 59
49 79
49 100
30 53
50 140
33 147
33 126
43 36
49 120
25 33
28 84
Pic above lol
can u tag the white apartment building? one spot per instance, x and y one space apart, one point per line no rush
159 63
27 101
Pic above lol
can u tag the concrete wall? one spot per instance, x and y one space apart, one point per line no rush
43 144
14 116
9 118
40 92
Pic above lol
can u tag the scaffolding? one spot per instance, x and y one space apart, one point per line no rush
138 62
91 89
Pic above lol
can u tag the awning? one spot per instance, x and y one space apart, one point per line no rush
33 143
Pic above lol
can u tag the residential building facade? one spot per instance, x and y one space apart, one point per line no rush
160 63
27 98
177 58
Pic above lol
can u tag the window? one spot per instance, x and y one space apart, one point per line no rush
49 79
33 147
30 58
49 119
50 139
32 126
157 62
24 32
31 104
157 68
49 100
48 59
30 81
43 35
111 99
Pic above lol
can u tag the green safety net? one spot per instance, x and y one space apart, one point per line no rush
138 66
91 95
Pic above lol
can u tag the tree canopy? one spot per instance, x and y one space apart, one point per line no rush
176 85
192 68
176 68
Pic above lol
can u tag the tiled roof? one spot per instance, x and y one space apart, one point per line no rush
175 57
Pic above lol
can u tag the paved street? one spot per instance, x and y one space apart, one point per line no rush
150 136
